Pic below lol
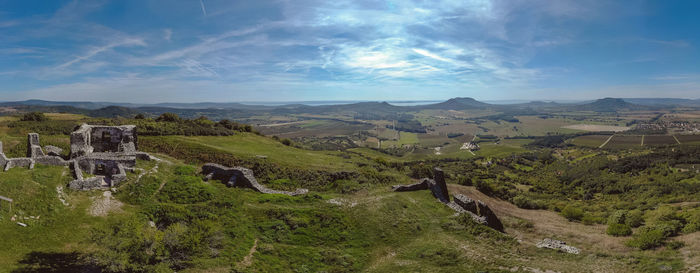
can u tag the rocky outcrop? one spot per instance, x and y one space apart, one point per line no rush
241 177
558 245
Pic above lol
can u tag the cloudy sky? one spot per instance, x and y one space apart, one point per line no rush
292 50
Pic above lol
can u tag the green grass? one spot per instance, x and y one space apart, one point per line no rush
59 229
247 145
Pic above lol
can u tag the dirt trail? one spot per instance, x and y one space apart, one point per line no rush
248 259
691 251
548 224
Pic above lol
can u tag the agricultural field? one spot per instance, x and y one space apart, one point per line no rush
624 141
659 140
689 139
590 140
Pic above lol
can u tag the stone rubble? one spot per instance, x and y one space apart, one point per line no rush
558 245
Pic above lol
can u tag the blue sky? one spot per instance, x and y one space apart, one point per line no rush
192 50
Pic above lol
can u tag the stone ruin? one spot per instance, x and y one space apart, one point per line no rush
241 177
558 245
479 212
103 152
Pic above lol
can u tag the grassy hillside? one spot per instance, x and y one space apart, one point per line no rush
627 210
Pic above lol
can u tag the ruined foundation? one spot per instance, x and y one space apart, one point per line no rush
103 151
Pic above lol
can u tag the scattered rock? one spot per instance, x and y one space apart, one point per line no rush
558 245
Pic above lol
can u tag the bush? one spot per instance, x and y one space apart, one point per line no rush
527 203
572 213
168 117
675 244
34 116
591 219
186 190
616 229
634 218
647 239
618 217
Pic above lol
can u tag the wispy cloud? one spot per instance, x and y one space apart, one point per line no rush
204 10
91 53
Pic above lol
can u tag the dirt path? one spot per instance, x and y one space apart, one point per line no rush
248 259
548 224
691 251
606 142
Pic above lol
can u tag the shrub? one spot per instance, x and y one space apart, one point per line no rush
572 213
168 117
286 141
616 229
591 219
618 217
527 203
634 218
675 244
186 190
647 239
34 116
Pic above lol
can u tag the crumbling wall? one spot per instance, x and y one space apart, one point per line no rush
481 209
33 146
80 141
478 211
241 177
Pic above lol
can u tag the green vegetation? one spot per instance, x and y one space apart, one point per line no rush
561 184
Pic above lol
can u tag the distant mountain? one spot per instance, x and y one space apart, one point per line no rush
609 105
663 101
77 104
457 104
114 111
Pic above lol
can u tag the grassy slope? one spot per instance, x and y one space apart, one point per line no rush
383 232
59 229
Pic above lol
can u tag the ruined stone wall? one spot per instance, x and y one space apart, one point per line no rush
109 162
80 141
462 204
241 177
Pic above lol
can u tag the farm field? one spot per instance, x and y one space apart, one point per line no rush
689 139
590 140
622 141
659 140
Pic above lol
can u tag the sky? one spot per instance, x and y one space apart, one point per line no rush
148 51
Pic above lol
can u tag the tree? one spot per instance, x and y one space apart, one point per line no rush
139 116
168 117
